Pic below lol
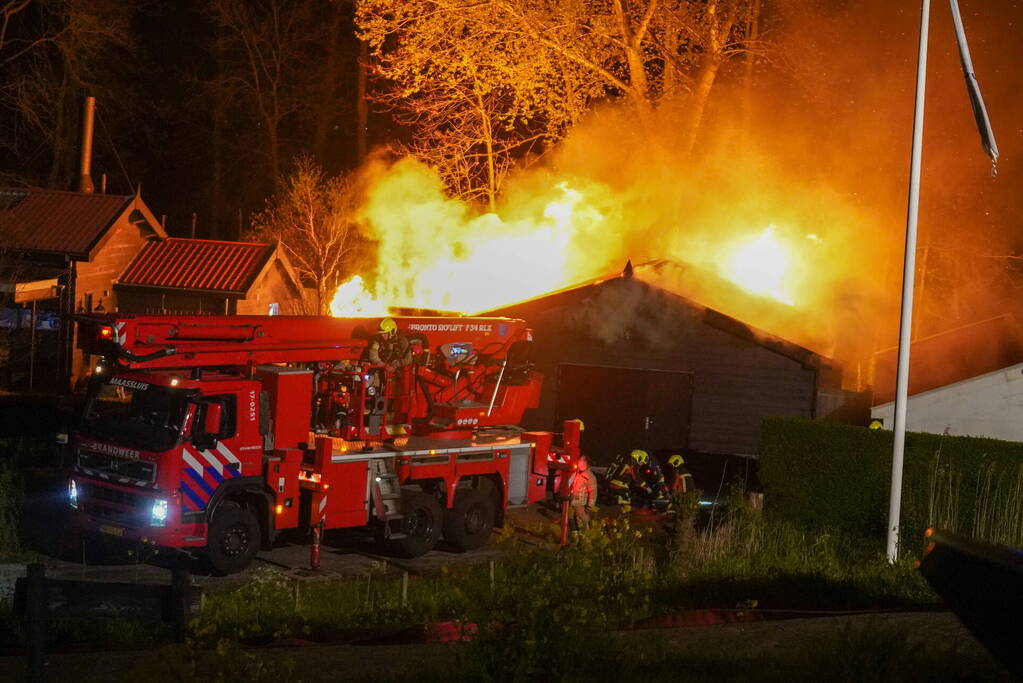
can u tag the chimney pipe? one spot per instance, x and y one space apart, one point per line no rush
84 178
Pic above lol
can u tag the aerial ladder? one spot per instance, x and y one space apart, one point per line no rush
218 432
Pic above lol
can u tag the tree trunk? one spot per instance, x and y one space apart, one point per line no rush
361 104
328 100
752 32
274 140
488 140
59 139
217 150
672 74
322 299
637 74
701 95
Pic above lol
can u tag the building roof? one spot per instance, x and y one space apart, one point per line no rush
199 265
75 224
951 356
642 277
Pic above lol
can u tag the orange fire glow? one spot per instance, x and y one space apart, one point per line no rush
436 253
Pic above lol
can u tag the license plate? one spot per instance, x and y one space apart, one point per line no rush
112 530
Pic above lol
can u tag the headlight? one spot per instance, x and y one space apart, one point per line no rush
158 515
72 493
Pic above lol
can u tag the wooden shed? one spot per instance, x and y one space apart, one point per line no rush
646 368
210 277
60 253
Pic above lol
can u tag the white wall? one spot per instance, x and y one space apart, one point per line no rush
989 405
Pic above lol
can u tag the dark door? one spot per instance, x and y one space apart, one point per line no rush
669 402
625 409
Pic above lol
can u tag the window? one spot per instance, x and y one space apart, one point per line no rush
228 404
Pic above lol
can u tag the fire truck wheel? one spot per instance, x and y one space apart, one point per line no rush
421 525
470 520
233 538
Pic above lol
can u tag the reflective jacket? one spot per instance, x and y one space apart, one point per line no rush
679 480
584 489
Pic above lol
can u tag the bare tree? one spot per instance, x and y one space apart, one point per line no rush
473 97
266 48
314 219
52 52
477 80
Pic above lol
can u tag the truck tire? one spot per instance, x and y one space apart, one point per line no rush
233 540
470 521
421 525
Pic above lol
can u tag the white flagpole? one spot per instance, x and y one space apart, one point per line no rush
908 273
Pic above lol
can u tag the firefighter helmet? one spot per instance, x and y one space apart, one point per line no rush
676 460
639 456
876 424
388 327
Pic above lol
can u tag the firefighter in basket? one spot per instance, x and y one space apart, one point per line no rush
389 347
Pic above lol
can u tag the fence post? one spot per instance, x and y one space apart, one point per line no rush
180 598
36 607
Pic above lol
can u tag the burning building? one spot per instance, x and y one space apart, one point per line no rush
645 367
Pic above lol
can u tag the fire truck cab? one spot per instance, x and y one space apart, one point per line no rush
215 433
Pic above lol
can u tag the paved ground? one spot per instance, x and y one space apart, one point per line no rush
342 554
338 557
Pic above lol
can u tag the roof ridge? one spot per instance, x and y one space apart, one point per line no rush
226 242
47 190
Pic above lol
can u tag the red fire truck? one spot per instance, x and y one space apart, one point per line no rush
215 433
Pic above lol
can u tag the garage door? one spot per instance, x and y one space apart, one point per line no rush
625 408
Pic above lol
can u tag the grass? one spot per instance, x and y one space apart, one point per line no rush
538 600
542 614
785 566
996 513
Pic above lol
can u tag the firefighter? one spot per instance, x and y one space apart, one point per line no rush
389 347
623 478
679 479
653 490
584 494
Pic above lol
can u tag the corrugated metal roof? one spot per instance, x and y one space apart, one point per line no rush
208 265
32 219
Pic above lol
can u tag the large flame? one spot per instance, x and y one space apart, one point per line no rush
761 266
436 253
554 231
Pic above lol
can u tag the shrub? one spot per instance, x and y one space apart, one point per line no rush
10 506
825 474
545 612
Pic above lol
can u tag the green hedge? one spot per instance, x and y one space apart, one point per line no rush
835 475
